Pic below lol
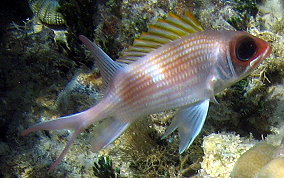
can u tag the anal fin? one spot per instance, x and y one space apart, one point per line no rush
109 130
189 122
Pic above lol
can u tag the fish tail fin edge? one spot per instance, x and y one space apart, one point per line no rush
77 122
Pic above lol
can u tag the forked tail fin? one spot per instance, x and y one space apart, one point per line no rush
109 129
113 126
77 122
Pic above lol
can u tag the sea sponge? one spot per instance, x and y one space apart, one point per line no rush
221 151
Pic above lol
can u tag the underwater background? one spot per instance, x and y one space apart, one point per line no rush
45 72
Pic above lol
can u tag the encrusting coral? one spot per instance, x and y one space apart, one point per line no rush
229 155
273 169
221 152
250 163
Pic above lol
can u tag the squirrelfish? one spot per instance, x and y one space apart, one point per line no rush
175 65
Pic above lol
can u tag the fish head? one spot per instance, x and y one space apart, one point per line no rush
240 53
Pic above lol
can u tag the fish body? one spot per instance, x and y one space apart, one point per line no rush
182 74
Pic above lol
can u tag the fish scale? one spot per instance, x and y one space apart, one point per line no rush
150 88
168 63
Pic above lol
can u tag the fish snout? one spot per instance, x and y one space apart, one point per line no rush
264 50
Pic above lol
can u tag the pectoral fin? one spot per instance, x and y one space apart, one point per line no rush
189 122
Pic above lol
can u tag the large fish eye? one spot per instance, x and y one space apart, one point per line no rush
246 49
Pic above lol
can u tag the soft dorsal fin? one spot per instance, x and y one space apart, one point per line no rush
164 31
106 65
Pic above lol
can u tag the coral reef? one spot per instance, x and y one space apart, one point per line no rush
255 104
273 169
250 163
245 9
147 155
229 155
271 15
55 78
262 160
29 63
80 93
265 159
140 148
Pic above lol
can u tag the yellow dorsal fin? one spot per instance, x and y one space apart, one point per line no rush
164 31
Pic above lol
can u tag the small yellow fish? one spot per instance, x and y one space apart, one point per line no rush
173 65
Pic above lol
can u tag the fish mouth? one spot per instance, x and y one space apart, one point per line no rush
266 53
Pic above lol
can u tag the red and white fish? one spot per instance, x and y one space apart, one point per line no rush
174 65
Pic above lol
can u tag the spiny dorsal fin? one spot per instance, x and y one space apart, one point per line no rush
164 31
106 65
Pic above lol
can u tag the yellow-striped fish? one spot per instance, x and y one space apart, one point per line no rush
174 65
